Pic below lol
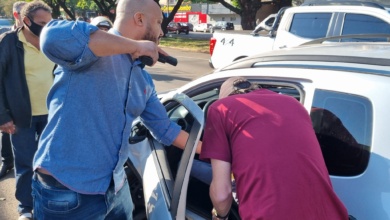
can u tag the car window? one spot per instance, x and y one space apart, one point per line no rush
310 25
364 24
343 126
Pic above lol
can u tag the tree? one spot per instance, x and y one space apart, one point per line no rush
170 17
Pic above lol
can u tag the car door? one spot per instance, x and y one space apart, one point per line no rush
301 27
165 195
357 23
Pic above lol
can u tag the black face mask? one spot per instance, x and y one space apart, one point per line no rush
35 28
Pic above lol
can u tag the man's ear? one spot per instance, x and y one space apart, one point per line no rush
26 21
139 18
16 15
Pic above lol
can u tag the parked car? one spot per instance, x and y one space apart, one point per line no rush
203 27
5 23
343 87
178 27
223 25
293 26
190 25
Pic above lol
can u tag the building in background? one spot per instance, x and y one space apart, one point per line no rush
212 12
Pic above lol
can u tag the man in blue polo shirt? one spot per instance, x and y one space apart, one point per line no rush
100 87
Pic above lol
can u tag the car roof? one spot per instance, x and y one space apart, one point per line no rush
351 54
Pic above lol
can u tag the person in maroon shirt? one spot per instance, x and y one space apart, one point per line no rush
266 140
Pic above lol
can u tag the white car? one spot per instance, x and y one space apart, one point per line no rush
203 27
348 82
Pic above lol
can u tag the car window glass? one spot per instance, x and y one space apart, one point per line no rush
310 25
343 126
364 24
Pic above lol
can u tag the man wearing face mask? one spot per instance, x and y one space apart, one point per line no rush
25 79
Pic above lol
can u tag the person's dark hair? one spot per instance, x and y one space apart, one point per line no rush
31 8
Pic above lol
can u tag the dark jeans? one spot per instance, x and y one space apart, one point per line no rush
25 144
6 150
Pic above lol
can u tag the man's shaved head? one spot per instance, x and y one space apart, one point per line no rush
130 7
135 17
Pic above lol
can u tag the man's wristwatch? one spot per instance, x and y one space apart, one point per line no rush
218 217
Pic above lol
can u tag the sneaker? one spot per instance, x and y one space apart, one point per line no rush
25 216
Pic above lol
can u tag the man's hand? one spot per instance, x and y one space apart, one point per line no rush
146 48
8 127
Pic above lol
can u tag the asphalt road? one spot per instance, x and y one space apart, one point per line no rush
191 65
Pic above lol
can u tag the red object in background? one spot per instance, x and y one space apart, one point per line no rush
191 17
213 41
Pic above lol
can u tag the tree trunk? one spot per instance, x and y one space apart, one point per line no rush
248 15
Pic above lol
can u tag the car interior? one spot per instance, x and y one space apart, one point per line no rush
198 200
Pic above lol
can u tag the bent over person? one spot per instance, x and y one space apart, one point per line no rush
100 87
267 141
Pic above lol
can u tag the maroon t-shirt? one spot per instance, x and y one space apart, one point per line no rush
276 160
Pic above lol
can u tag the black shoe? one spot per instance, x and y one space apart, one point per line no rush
5 169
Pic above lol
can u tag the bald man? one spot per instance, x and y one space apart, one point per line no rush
100 87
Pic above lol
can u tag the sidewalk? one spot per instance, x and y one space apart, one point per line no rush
8 203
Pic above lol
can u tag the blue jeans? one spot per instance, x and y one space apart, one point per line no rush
25 144
202 171
54 201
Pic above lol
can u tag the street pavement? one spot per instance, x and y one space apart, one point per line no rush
191 65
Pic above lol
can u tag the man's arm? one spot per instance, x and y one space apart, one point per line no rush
181 141
221 187
75 45
105 44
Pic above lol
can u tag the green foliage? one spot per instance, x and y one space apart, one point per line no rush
236 4
188 44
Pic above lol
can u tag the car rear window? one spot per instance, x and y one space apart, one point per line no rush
364 24
343 125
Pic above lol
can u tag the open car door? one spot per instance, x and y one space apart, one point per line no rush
164 194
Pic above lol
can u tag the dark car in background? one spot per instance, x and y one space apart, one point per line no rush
190 25
223 25
178 27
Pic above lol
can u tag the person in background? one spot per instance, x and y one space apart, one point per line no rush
103 23
6 150
25 79
16 9
266 140
100 87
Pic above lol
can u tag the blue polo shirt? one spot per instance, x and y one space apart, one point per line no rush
92 105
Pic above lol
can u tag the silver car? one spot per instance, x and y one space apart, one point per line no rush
343 86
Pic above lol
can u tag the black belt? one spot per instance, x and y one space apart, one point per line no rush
49 180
